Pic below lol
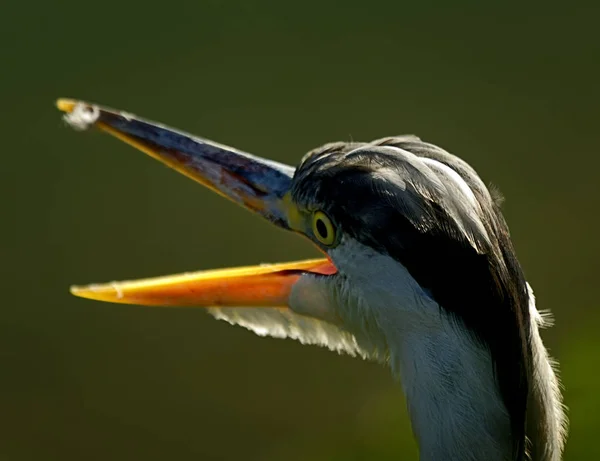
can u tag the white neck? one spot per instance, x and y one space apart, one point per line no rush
454 404
455 408
453 399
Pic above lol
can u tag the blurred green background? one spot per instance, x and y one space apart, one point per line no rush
511 88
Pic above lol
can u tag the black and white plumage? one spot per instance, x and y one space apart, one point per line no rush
430 212
426 281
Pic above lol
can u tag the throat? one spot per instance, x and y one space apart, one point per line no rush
455 407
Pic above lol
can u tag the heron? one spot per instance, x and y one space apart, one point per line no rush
419 274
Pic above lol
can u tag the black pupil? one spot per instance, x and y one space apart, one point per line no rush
321 228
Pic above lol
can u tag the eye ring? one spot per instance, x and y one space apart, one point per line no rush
323 229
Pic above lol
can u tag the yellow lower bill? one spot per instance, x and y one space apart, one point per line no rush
253 286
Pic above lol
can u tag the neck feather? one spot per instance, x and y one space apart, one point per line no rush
546 419
448 376
455 407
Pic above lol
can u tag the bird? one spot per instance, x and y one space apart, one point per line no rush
419 274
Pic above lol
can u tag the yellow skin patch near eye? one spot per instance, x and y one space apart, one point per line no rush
322 228
296 219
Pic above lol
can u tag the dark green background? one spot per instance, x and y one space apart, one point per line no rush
512 88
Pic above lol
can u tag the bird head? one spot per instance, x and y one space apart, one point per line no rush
364 205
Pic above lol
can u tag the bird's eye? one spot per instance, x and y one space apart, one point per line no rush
323 228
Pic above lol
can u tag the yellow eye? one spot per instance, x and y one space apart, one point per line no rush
323 228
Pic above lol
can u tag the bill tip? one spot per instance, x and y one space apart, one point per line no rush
75 290
101 292
65 105
78 115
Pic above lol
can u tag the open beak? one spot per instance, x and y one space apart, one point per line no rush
259 185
